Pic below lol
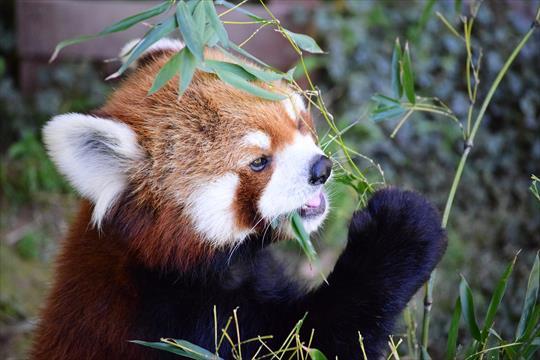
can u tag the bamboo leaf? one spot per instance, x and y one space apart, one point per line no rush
241 83
137 18
264 75
457 6
187 27
267 75
424 355
240 9
159 31
386 113
188 65
121 25
216 23
496 299
467 305
166 73
396 81
315 354
302 236
216 65
69 42
385 100
199 18
161 346
194 350
453 332
407 77
304 42
289 75
531 297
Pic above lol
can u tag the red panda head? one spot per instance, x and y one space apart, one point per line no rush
228 162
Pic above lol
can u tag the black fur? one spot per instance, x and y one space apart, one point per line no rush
393 246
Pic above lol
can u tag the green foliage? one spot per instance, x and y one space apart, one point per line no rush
488 341
27 171
200 27
181 348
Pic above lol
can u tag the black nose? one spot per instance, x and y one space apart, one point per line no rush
320 170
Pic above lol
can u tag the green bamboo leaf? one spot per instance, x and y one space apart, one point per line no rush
187 27
384 100
241 83
304 42
303 237
188 65
289 75
69 42
467 304
263 75
166 73
199 18
407 77
216 23
496 299
240 9
453 332
316 354
157 32
137 18
161 346
267 75
396 81
531 297
121 25
424 355
195 350
457 6
216 65
386 113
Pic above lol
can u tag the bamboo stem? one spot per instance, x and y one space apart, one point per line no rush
428 287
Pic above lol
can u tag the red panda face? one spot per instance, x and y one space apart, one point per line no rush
234 164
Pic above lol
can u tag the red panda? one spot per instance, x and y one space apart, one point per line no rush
183 197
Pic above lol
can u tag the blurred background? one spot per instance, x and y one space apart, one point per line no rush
494 214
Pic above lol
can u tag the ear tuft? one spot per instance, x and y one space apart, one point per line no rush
165 44
95 154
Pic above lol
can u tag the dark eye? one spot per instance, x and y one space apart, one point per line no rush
259 164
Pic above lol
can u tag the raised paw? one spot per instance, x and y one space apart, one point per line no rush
400 229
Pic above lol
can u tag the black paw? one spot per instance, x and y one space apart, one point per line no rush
399 229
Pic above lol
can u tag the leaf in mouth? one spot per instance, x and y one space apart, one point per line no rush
302 237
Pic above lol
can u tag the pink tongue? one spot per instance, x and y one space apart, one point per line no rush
314 201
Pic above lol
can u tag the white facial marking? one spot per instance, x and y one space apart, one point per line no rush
95 155
211 209
288 188
257 139
160 45
294 105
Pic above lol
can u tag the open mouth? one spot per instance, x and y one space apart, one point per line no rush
314 207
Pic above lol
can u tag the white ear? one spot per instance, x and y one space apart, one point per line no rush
160 45
95 154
